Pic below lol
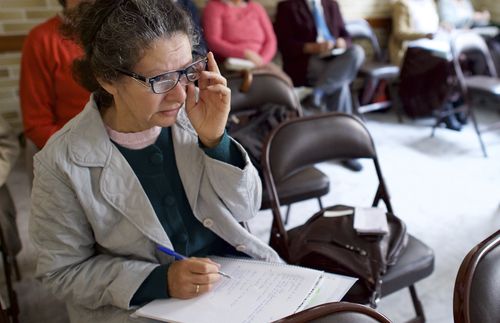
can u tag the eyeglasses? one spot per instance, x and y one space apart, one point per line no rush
167 81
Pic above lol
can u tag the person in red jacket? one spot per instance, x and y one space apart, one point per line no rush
49 95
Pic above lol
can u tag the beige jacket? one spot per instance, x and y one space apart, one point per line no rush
9 150
95 229
402 31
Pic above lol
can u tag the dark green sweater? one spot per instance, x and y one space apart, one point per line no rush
156 169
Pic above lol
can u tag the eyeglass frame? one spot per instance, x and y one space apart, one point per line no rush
149 81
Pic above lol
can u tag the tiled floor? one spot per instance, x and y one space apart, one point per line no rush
448 194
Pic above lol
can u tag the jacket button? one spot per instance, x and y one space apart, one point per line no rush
156 158
208 223
241 247
169 200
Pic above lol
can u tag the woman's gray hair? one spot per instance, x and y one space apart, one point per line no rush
115 34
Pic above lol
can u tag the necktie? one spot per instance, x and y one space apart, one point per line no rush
319 20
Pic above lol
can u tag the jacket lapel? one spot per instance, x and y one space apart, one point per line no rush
118 183
189 159
306 16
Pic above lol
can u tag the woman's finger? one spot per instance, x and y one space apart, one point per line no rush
222 91
191 97
212 64
199 289
211 78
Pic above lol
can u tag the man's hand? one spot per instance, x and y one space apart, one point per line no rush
318 48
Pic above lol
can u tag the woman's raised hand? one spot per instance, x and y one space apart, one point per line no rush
209 113
191 277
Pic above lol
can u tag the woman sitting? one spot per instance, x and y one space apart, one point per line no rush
461 14
241 29
146 166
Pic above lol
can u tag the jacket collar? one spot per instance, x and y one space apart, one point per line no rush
89 146
89 142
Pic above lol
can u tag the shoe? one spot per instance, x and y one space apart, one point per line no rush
352 164
311 103
461 117
452 123
317 98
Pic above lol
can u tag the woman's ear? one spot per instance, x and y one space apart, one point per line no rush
108 86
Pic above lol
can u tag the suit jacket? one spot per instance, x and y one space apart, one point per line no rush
95 229
295 26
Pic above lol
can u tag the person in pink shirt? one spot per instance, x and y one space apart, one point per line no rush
241 29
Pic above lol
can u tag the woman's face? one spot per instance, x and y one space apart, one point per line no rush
70 4
136 107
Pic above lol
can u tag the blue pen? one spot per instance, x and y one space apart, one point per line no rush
178 256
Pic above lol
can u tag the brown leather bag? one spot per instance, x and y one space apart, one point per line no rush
333 245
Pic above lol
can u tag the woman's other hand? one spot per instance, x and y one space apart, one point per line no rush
254 57
191 277
209 114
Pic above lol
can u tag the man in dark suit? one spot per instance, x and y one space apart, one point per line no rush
317 50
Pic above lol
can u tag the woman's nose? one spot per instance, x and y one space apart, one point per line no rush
178 91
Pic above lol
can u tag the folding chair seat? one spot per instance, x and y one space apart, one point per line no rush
251 95
337 312
315 139
474 87
476 293
373 71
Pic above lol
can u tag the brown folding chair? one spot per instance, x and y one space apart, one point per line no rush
474 87
8 299
476 296
248 99
373 70
337 312
315 139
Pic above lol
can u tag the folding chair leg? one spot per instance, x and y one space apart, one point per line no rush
356 105
320 203
434 128
395 100
419 311
478 132
287 213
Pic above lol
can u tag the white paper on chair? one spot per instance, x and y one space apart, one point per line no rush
439 45
238 64
333 52
370 220
257 292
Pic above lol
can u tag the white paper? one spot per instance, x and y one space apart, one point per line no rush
439 45
370 220
238 64
332 288
257 292
333 213
333 52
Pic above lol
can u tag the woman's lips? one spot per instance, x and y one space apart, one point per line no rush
170 112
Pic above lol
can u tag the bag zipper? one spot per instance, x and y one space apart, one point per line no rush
349 247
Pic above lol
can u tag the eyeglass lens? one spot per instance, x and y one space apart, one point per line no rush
165 82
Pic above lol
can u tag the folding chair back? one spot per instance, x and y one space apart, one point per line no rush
476 293
338 312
